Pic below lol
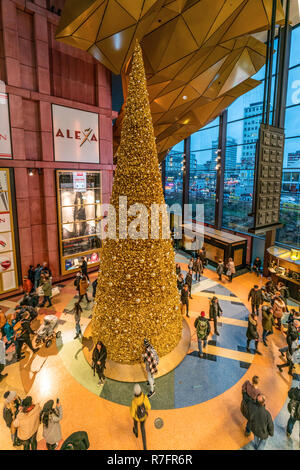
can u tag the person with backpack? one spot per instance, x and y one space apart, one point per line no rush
252 333
12 403
293 408
203 329
83 288
151 361
139 409
50 417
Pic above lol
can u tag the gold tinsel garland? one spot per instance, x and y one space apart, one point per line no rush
137 293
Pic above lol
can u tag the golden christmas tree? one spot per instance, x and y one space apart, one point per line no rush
137 293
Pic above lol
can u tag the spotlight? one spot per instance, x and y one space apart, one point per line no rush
30 172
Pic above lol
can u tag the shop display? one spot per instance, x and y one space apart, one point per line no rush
137 294
284 265
79 200
8 269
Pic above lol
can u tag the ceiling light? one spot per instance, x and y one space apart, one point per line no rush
184 97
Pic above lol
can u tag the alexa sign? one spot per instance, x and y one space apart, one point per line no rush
76 135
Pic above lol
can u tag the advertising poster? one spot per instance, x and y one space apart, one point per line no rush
5 142
75 134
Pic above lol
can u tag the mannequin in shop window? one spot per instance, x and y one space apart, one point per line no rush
80 224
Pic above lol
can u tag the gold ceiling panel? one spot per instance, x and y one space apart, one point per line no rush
198 54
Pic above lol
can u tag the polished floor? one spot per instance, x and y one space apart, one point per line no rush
198 402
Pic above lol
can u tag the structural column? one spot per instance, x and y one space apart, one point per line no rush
220 165
186 176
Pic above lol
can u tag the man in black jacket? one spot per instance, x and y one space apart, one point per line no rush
99 361
260 422
294 409
184 298
189 281
255 295
84 267
24 336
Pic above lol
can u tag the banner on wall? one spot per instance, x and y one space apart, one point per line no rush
8 268
5 142
75 134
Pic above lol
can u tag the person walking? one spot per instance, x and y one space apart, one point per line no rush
47 290
151 360
251 391
2 357
252 333
94 286
215 311
27 423
293 409
257 266
180 282
23 332
293 346
284 292
37 276
27 285
198 269
278 308
139 410
178 269
50 417
30 275
46 271
292 335
78 440
83 287
255 295
77 317
202 329
260 422
189 282
84 267
184 299
99 361
220 269
267 323
12 403
230 269
191 264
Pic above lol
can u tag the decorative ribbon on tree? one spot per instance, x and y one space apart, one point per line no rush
137 293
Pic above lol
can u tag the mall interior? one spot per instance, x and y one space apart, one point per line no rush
129 340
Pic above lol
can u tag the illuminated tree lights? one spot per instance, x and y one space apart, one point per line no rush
137 293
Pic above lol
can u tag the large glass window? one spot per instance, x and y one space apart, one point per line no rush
202 188
173 175
290 192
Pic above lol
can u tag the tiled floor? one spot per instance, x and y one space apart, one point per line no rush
199 401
